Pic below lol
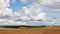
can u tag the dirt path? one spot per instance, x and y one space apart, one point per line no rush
49 30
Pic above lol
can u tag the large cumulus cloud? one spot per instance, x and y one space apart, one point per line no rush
32 15
6 14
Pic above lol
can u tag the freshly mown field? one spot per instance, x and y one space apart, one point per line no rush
48 30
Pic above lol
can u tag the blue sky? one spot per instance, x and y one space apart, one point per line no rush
52 13
16 6
30 12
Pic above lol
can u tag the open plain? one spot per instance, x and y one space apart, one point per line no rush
48 30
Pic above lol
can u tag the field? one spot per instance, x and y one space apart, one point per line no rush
48 30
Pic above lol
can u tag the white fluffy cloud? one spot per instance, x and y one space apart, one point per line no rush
4 4
6 15
54 21
51 4
47 2
33 12
10 22
6 12
33 15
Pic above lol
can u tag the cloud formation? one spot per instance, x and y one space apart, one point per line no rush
32 15
34 12
51 4
13 1
24 1
6 14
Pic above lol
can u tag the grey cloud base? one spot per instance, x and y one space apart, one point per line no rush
32 15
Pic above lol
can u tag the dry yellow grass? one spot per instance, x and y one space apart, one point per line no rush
48 30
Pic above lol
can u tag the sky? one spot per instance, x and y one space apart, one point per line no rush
18 4
30 12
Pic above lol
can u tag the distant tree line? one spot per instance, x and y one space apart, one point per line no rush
23 26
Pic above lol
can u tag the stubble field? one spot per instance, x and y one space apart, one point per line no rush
48 30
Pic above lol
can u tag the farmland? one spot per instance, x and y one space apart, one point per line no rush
44 30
